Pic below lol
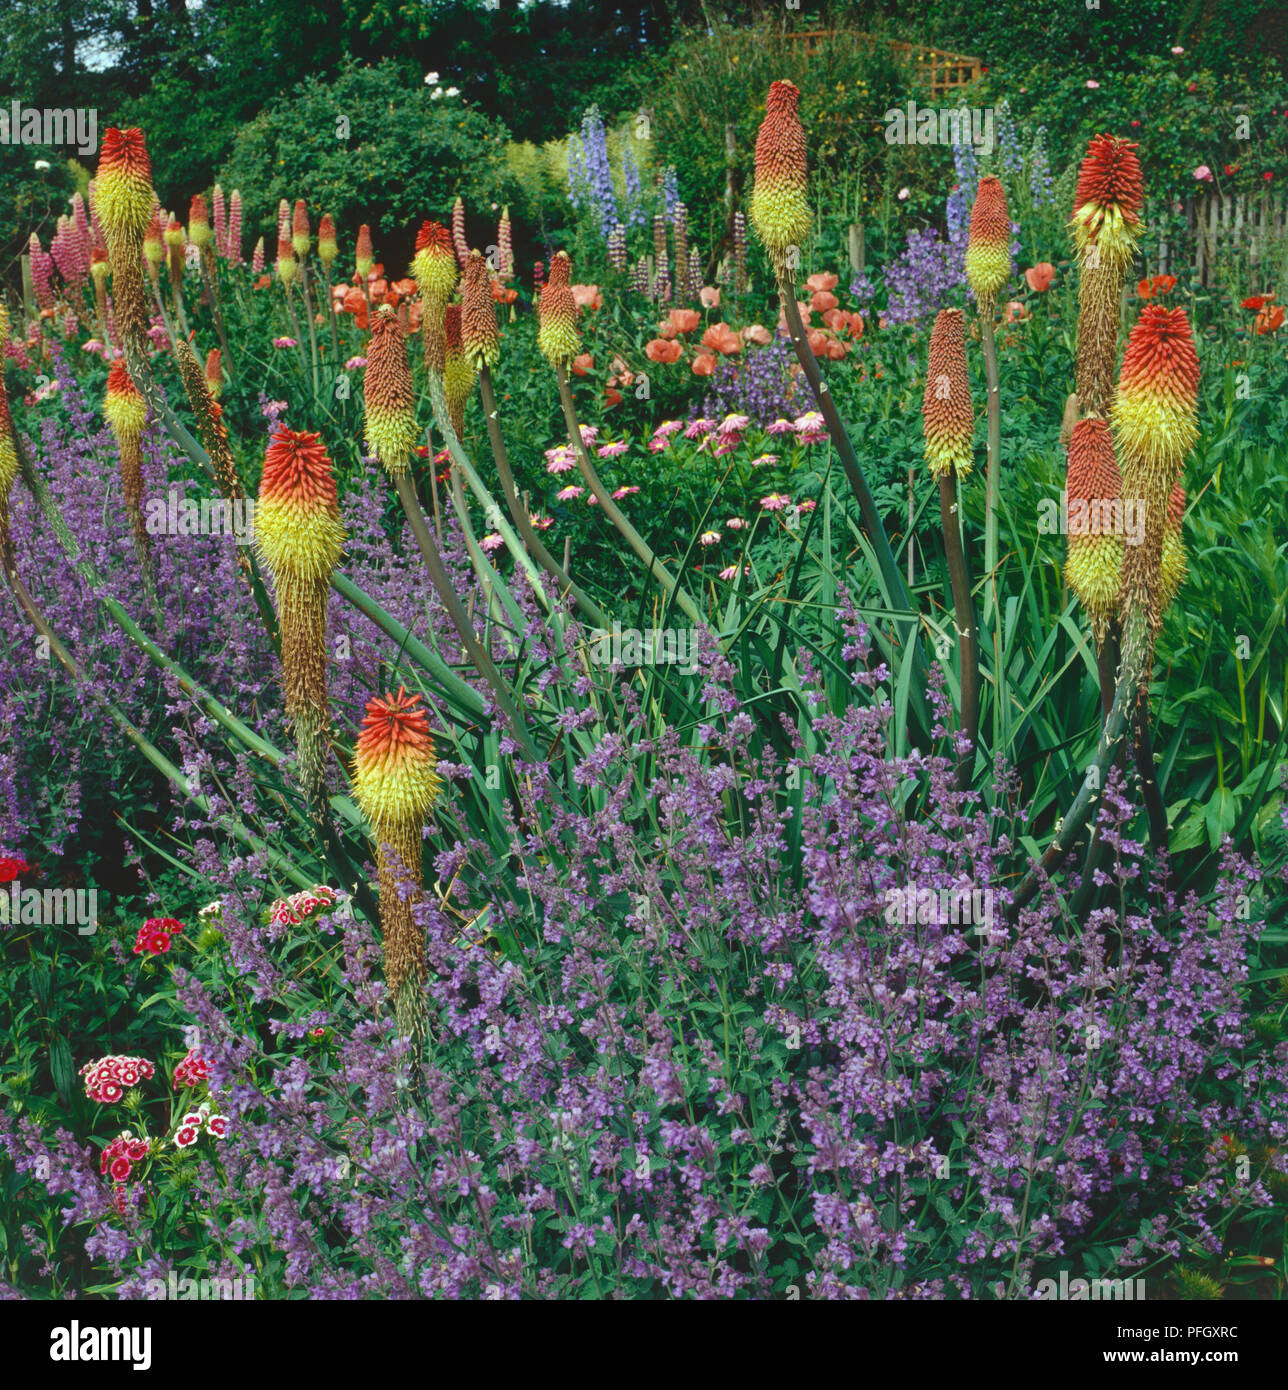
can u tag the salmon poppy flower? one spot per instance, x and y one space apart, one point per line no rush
663 350
821 281
1270 318
722 339
1039 277
582 364
823 300
1159 284
588 296
709 296
703 365
503 295
681 321
758 334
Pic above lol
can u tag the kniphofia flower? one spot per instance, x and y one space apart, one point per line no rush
388 398
557 334
301 236
126 412
395 784
1155 419
480 341
362 255
199 231
287 265
123 202
434 266
459 377
299 535
1106 225
947 415
327 248
123 187
988 247
434 263
1094 493
779 200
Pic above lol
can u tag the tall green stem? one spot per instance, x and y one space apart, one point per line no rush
896 595
614 513
439 577
964 621
519 512
1131 672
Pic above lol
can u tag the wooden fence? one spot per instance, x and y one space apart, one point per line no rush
1220 228
942 72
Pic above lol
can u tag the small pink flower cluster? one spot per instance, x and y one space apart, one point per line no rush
192 1071
120 1156
560 459
195 1121
154 936
107 1080
290 912
662 435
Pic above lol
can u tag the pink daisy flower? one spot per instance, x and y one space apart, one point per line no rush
567 494
775 502
810 428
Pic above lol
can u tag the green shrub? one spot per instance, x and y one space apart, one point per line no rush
367 147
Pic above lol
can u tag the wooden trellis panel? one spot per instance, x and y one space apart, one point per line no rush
941 71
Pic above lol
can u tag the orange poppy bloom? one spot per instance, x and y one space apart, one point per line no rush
1039 277
703 365
722 339
1159 284
758 334
1258 302
823 300
583 364
503 295
263 282
588 296
1014 312
612 397
681 321
836 349
663 350
1270 318
821 280
817 342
